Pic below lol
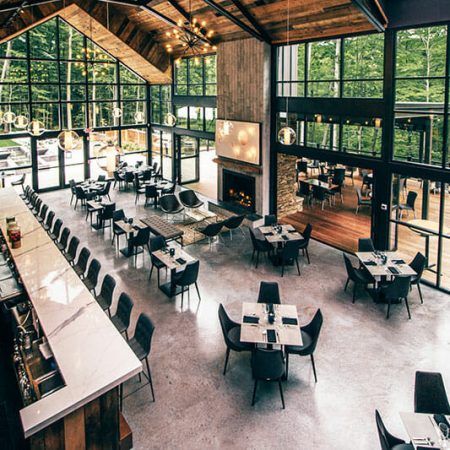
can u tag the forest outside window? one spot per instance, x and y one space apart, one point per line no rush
196 76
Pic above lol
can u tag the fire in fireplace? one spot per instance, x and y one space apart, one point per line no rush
239 189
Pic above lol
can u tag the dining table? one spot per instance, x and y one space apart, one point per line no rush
92 186
423 430
264 323
279 234
322 184
94 207
174 258
129 229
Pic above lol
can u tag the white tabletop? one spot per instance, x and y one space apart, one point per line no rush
381 270
256 333
171 261
421 427
92 356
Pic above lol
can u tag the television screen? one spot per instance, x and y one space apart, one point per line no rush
238 140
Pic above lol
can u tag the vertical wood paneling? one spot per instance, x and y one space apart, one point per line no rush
54 436
109 404
92 423
74 436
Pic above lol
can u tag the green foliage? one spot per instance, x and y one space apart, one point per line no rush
196 76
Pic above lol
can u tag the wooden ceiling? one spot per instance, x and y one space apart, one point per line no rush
143 27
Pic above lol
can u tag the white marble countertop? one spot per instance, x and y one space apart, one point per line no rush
92 356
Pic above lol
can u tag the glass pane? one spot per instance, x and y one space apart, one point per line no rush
210 119
195 71
133 159
73 115
133 92
73 72
74 172
362 137
156 113
134 140
445 264
44 71
182 115
427 91
102 73
95 53
44 92
101 114
363 57
323 89
156 145
13 93
195 118
17 109
322 135
16 47
188 146
189 169
48 165
324 60
210 69
100 139
71 42
129 110
181 72
127 76
14 71
15 152
102 92
47 114
211 89
363 89
48 178
73 92
43 40
73 157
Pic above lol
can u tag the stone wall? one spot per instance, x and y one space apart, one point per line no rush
287 200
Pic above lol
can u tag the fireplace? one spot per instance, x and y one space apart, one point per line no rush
238 190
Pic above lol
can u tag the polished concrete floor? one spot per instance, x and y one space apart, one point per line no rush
363 360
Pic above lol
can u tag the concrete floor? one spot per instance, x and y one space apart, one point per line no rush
363 361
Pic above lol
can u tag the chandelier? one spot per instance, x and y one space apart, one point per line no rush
192 37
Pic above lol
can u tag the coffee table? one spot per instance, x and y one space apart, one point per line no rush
161 227
200 215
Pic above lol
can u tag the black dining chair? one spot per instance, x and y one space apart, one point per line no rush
91 279
409 205
359 277
288 254
361 201
396 291
101 178
73 191
105 191
118 179
104 299
260 245
156 243
49 221
139 240
189 199
81 265
42 213
270 219
187 278
82 196
305 192
387 440
141 344
418 264
168 190
310 336
128 179
63 240
139 189
105 216
234 223
267 365
303 243
72 250
210 231
232 336
430 396
365 245
121 318
118 215
147 175
19 182
151 193
320 195
323 178
170 205
54 235
269 293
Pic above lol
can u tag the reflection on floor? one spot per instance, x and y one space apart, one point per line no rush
336 225
207 185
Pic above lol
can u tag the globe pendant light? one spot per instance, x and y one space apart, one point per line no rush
117 113
139 117
287 135
1 117
170 120
36 127
9 117
68 141
21 122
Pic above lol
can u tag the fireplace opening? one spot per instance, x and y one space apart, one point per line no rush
239 190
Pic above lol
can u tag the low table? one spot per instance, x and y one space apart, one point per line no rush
200 215
161 227
256 333
174 266
130 229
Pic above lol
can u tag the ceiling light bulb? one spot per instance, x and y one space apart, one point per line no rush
203 23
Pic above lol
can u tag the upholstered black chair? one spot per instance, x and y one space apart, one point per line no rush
324 178
305 192
395 291
320 195
42 213
128 178
105 216
81 265
189 199
430 396
91 279
187 278
140 240
147 175
310 336
118 215
101 178
288 254
139 189
118 179
54 235
170 205
168 190
303 243
361 201
267 365
387 440
269 293
72 250
156 243
260 245
365 245
20 182
63 240
409 205
141 344
121 319
270 219
210 231
418 264
359 277
302 167
73 191
232 336
49 221
234 223
151 193
104 299
82 196
105 191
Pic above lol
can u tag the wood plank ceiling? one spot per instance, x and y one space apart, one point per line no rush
145 33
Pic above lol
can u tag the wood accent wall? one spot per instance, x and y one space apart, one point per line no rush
243 93
92 427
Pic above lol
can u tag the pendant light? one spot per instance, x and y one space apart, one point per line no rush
21 122
68 141
9 117
36 127
170 120
1 117
139 117
116 112
287 135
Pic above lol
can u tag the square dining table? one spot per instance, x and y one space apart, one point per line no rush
256 333
288 233
130 229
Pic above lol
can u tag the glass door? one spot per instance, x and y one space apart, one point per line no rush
49 164
187 159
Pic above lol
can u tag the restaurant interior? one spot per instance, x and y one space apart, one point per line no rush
224 224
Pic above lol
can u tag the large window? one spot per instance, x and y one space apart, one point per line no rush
161 102
196 76
196 118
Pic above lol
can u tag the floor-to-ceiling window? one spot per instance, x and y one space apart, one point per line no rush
68 83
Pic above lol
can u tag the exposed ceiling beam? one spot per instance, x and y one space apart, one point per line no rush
252 20
24 5
371 13
179 8
13 15
222 11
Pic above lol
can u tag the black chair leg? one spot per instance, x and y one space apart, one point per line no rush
354 293
298 268
281 392
307 256
182 297
150 379
388 309
407 307
254 392
420 292
314 367
287 365
257 259
346 284
198 292
151 271
282 269
226 361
